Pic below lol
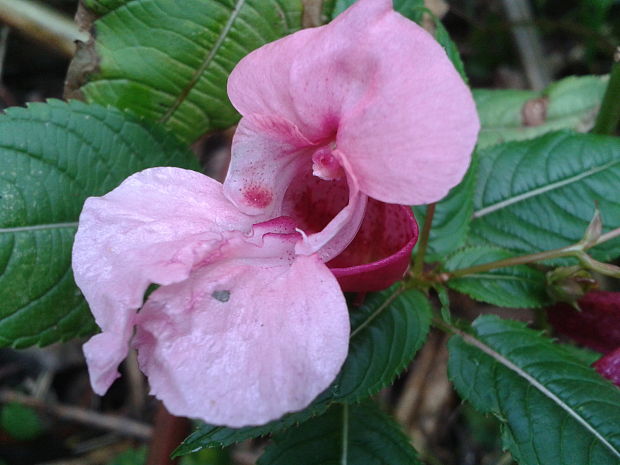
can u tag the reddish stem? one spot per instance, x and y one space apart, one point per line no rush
168 433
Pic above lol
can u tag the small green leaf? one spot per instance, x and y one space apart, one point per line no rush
346 434
52 157
554 409
386 331
508 115
20 422
453 215
515 286
169 61
541 194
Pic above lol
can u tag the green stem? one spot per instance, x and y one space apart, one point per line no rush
513 261
575 250
608 117
418 266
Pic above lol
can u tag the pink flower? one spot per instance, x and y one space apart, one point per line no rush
341 125
596 325
241 330
368 106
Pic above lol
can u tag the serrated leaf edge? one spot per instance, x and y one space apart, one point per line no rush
471 340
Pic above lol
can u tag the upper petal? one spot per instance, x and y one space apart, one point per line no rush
153 228
244 341
382 87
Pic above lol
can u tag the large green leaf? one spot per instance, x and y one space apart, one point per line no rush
508 115
53 156
515 286
346 434
554 409
386 331
169 61
452 217
541 194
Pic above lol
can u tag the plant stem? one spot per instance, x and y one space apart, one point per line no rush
574 250
513 261
42 23
608 117
418 266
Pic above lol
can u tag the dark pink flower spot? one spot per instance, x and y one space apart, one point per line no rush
257 196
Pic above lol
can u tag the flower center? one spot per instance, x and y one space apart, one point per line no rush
325 165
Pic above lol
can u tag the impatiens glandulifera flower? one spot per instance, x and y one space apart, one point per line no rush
241 331
596 325
342 126
368 106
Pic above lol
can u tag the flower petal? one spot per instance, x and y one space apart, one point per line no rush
328 212
244 342
379 85
268 154
609 366
381 251
597 325
153 228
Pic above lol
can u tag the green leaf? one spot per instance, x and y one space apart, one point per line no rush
554 409
52 157
508 115
169 61
386 331
453 215
541 194
516 286
346 434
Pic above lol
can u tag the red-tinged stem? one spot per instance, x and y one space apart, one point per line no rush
169 432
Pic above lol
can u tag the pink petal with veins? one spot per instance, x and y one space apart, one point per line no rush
372 85
244 342
153 228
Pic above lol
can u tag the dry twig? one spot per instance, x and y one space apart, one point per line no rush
115 423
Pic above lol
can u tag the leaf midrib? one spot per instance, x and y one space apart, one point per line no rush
205 64
471 340
38 227
542 190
